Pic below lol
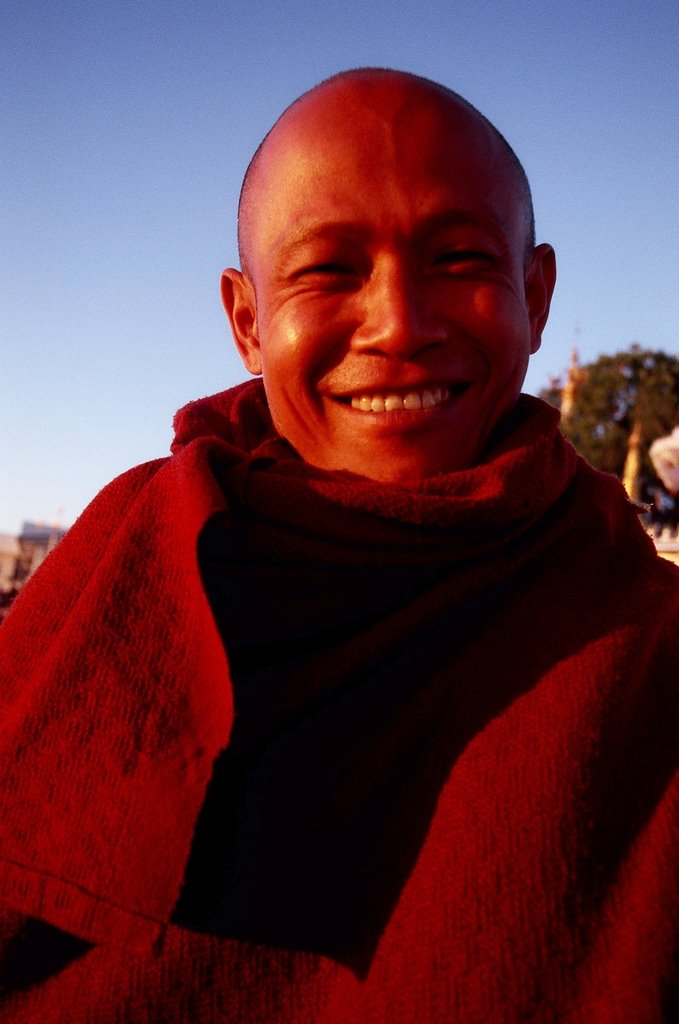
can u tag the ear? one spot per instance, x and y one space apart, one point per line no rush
539 281
238 297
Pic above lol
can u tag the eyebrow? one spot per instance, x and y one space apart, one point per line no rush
487 217
322 230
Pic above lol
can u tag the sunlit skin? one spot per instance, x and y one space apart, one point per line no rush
386 259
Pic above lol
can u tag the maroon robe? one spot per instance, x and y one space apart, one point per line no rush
485 751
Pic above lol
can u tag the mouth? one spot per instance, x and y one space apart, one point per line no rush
410 400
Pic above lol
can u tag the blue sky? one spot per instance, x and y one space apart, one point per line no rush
126 129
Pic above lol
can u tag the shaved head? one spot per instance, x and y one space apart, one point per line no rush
369 81
391 293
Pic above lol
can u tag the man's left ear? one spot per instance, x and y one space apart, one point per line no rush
539 281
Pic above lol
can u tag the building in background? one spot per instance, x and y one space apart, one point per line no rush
35 542
9 556
20 557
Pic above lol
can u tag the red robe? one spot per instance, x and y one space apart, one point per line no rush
546 886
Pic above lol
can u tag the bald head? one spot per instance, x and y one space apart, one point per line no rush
377 87
387 296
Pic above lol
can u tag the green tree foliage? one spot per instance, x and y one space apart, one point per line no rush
611 394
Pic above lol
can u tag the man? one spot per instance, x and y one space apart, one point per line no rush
361 706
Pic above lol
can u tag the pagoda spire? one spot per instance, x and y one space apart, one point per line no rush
631 474
574 380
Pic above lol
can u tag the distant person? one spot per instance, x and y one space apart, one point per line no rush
361 707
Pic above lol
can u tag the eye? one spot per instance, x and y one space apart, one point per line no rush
326 268
328 276
463 258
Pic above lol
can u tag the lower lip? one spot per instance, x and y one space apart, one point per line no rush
405 422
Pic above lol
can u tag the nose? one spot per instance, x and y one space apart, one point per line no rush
396 318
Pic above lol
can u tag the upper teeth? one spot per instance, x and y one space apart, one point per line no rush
426 399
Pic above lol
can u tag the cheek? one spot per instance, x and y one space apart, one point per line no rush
501 324
495 306
305 339
288 372
281 354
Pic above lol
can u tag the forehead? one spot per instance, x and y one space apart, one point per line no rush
361 147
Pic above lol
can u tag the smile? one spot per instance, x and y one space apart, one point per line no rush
390 401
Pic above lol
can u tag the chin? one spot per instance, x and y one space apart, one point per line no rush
403 471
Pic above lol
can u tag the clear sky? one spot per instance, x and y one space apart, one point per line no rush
126 127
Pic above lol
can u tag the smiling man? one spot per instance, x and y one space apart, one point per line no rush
392 294
360 708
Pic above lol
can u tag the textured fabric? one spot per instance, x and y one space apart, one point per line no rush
539 879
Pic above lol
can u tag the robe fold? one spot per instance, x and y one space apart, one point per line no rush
446 715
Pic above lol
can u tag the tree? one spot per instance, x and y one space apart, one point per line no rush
636 389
